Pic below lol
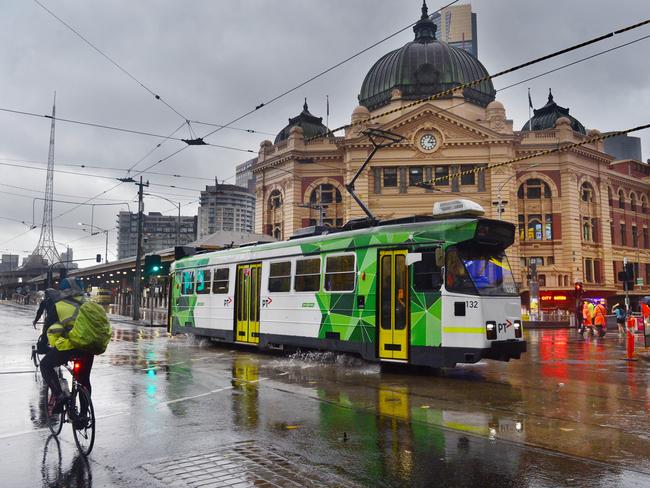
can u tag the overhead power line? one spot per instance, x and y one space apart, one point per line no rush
564 148
318 75
470 84
114 128
111 60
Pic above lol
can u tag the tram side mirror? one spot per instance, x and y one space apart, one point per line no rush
413 257
440 257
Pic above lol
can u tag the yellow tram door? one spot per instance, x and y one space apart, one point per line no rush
393 305
248 303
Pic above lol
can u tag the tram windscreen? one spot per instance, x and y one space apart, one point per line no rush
479 271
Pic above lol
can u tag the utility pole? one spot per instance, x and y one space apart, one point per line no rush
137 285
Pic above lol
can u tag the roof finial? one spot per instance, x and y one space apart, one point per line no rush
425 29
304 107
550 95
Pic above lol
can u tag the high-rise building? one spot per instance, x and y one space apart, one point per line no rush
456 25
244 175
624 147
9 262
159 232
226 207
67 258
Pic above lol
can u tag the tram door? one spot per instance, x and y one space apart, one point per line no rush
248 303
393 305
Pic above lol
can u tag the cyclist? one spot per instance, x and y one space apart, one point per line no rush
48 307
67 307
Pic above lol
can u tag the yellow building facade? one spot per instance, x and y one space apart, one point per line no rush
579 212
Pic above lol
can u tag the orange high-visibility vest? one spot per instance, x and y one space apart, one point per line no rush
599 315
586 316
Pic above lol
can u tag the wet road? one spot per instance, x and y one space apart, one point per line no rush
181 412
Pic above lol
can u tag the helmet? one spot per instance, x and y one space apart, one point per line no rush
73 284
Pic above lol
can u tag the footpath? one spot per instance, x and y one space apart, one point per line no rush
112 317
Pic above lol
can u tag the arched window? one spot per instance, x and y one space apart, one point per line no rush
538 224
587 193
644 205
621 199
325 193
326 198
633 202
534 189
275 199
610 198
275 215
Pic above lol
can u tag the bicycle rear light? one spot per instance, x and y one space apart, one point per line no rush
76 367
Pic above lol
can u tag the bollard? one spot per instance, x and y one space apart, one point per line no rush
631 322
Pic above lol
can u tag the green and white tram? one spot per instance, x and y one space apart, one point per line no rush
433 291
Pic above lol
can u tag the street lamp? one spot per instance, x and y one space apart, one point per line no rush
178 223
100 230
500 202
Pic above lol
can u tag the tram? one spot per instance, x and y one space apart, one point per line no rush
427 290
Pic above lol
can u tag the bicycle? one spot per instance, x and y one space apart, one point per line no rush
83 425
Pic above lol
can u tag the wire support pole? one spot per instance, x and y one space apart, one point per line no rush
137 285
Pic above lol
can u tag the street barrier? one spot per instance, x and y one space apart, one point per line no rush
631 325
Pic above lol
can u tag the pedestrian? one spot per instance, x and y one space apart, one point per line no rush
620 311
645 312
586 316
600 318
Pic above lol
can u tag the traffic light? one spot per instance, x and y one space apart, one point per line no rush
152 265
578 289
627 276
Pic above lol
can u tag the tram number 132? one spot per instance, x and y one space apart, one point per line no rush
471 303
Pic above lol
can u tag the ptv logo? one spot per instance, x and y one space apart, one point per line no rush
266 301
503 326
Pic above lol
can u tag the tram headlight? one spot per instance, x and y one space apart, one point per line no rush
517 326
491 330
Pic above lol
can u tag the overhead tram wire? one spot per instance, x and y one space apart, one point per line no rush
470 84
567 65
122 129
105 168
331 68
443 93
448 109
564 148
114 63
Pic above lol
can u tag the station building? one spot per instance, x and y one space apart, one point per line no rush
579 212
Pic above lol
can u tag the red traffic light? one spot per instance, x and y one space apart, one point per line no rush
578 287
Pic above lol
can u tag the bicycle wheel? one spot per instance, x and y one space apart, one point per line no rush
35 358
54 420
83 421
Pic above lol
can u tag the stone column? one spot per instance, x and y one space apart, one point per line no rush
571 237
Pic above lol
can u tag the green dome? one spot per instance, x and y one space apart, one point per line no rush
423 67
311 125
545 117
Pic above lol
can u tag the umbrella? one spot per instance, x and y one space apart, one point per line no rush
646 300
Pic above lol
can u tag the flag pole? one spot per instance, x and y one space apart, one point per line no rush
327 119
530 106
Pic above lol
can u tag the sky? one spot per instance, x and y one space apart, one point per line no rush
215 60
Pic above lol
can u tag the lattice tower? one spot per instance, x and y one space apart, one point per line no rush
46 248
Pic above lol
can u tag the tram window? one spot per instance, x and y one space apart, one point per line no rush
307 275
187 286
203 282
340 273
280 276
427 276
221 279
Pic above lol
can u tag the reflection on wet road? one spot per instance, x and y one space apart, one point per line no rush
181 410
